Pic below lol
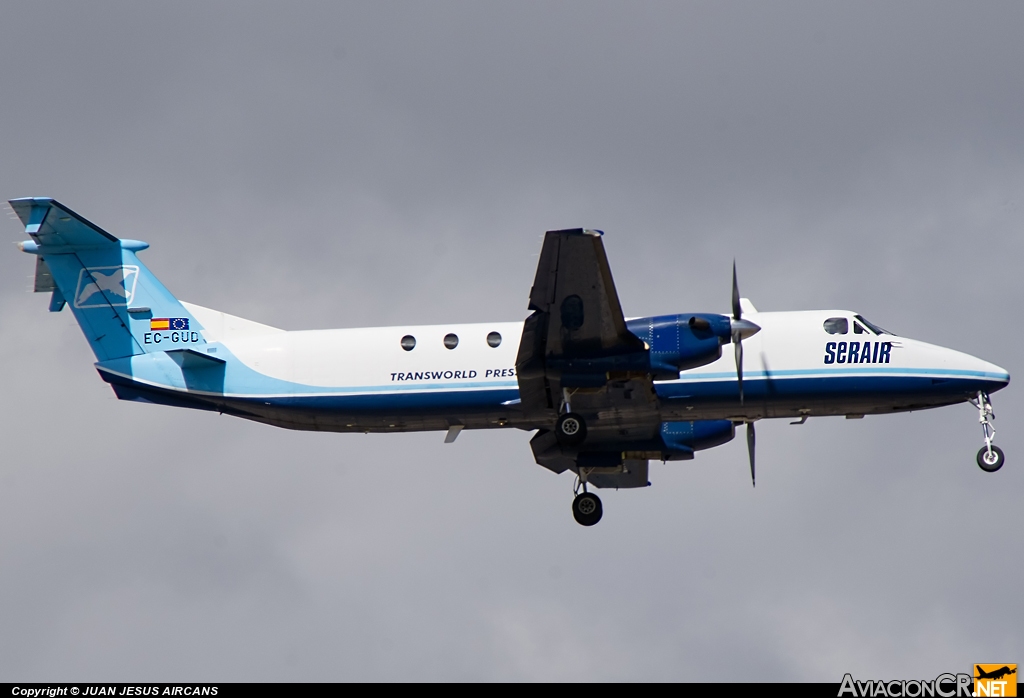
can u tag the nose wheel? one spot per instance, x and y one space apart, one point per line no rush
990 458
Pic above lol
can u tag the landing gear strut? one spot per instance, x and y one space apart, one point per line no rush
586 507
990 458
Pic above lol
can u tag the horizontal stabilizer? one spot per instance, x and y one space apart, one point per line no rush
192 359
51 224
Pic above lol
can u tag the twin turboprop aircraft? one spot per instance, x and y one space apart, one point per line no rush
605 395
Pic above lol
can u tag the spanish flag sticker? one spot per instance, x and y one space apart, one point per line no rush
168 323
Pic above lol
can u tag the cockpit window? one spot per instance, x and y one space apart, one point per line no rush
859 328
837 325
873 327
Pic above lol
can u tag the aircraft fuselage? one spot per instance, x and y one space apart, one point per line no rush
363 380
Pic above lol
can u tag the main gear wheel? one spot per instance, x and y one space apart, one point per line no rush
586 509
570 430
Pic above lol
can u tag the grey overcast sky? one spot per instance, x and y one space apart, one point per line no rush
347 164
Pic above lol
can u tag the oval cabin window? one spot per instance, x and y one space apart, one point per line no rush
451 341
408 342
493 340
837 325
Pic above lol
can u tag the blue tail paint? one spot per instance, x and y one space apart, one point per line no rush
122 308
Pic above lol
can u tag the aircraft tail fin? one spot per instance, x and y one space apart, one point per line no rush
122 308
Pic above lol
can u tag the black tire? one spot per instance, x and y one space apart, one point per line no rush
570 429
587 509
992 463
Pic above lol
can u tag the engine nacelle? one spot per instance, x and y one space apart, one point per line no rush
678 440
697 435
681 342
674 343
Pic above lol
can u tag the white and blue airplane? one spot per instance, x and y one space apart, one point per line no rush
605 395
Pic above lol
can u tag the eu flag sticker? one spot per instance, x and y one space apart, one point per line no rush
168 323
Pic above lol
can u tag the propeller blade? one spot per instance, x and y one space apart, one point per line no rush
736 310
750 451
738 344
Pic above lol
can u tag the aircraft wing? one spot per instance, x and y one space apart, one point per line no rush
577 323
576 345
574 289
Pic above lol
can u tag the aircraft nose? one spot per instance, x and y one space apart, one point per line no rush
970 372
995 377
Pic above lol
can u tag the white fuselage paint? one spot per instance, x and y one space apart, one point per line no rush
791 346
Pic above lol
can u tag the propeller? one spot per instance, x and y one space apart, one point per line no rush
737 340
737 309
741 329
750 451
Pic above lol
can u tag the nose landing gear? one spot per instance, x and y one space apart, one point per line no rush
990 458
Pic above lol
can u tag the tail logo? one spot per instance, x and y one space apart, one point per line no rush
118 283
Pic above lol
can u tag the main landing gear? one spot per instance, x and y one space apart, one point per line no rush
990 458
586 507
571 432
571 428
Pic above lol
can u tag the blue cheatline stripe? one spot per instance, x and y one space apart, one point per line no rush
828 372
318 391
469 401
427 387
497 398
809 381
838 387
378 389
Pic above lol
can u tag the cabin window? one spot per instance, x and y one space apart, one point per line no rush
451 340
493 339
408 342
837 325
